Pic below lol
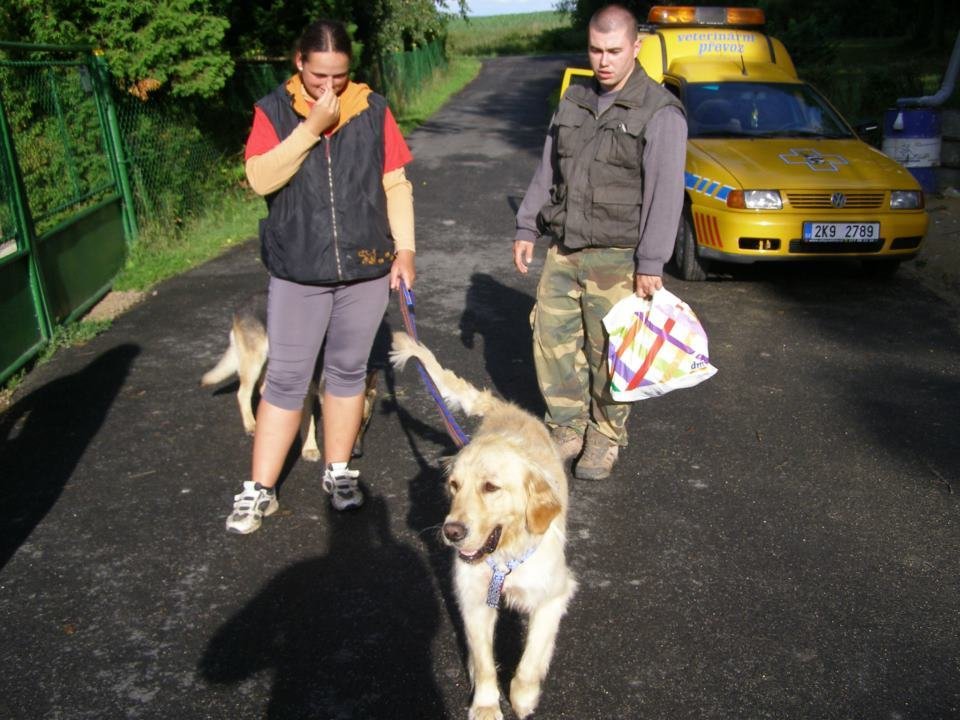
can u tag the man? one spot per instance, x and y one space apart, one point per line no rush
608 194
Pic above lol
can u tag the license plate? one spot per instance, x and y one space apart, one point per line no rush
841 232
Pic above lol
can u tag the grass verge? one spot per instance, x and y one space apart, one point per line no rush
161 253
434 93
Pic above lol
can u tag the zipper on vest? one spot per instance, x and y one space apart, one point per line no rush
333 209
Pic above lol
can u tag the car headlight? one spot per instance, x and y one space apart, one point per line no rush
755 200
906 199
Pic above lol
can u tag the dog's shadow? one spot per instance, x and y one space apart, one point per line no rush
347 634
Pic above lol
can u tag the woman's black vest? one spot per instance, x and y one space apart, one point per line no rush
328 224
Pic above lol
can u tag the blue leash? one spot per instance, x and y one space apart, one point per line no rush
459 437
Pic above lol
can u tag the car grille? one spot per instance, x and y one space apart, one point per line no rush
817 200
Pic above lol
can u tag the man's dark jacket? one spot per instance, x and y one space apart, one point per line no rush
597 189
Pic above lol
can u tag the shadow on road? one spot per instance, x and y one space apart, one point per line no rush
345 635
45 434
895 377
501 316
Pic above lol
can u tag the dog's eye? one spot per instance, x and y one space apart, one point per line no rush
489 487
454 486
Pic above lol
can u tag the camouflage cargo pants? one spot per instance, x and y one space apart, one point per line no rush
569 342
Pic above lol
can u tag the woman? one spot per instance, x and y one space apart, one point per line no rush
329 158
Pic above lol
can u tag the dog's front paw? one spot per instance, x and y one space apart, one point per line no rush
524 697
485 712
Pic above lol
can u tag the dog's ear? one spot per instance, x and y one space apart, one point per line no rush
542 503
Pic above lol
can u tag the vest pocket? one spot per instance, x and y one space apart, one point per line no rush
620 145
553 215
565 140
570 119
615 216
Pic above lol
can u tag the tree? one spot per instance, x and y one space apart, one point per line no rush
176 43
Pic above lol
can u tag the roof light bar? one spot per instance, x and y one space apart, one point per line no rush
695 15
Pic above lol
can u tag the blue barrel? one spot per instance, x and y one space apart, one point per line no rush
911 136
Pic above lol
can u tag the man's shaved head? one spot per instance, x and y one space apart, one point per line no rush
613 18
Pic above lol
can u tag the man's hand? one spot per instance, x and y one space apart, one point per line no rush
324 114
403 268
646 285
522 255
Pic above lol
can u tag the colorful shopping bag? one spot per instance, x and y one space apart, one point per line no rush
655 346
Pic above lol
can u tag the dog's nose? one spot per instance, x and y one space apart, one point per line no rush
454 531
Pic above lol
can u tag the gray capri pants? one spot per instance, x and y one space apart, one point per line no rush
298 319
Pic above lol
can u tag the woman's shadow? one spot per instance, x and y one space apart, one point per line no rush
44 435
345 635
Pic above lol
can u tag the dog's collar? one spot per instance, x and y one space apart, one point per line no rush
500 575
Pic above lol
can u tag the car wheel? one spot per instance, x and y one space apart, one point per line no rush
884 268
685 257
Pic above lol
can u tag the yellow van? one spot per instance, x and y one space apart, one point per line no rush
773 171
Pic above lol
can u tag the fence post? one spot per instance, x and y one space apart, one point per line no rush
24 223
101 76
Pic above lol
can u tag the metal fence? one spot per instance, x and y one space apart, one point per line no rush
403 74
177 150
64 221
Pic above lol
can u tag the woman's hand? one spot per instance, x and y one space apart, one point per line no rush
403 269
324 114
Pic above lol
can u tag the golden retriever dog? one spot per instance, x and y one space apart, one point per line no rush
507 523
246 357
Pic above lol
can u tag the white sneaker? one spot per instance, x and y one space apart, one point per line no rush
341 483
250 506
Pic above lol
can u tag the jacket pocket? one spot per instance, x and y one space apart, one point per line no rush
621 144
569 120
553 215
615 216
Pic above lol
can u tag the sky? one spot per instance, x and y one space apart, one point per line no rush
479 8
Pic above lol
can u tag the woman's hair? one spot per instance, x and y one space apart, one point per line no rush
325 36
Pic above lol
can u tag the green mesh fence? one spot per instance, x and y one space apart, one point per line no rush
403 74
58 137
179 152
171 164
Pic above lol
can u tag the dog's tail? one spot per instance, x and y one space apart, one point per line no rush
229 365
455 390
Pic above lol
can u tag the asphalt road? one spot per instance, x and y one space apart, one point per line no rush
778 542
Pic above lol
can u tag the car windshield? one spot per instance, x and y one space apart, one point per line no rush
749 109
